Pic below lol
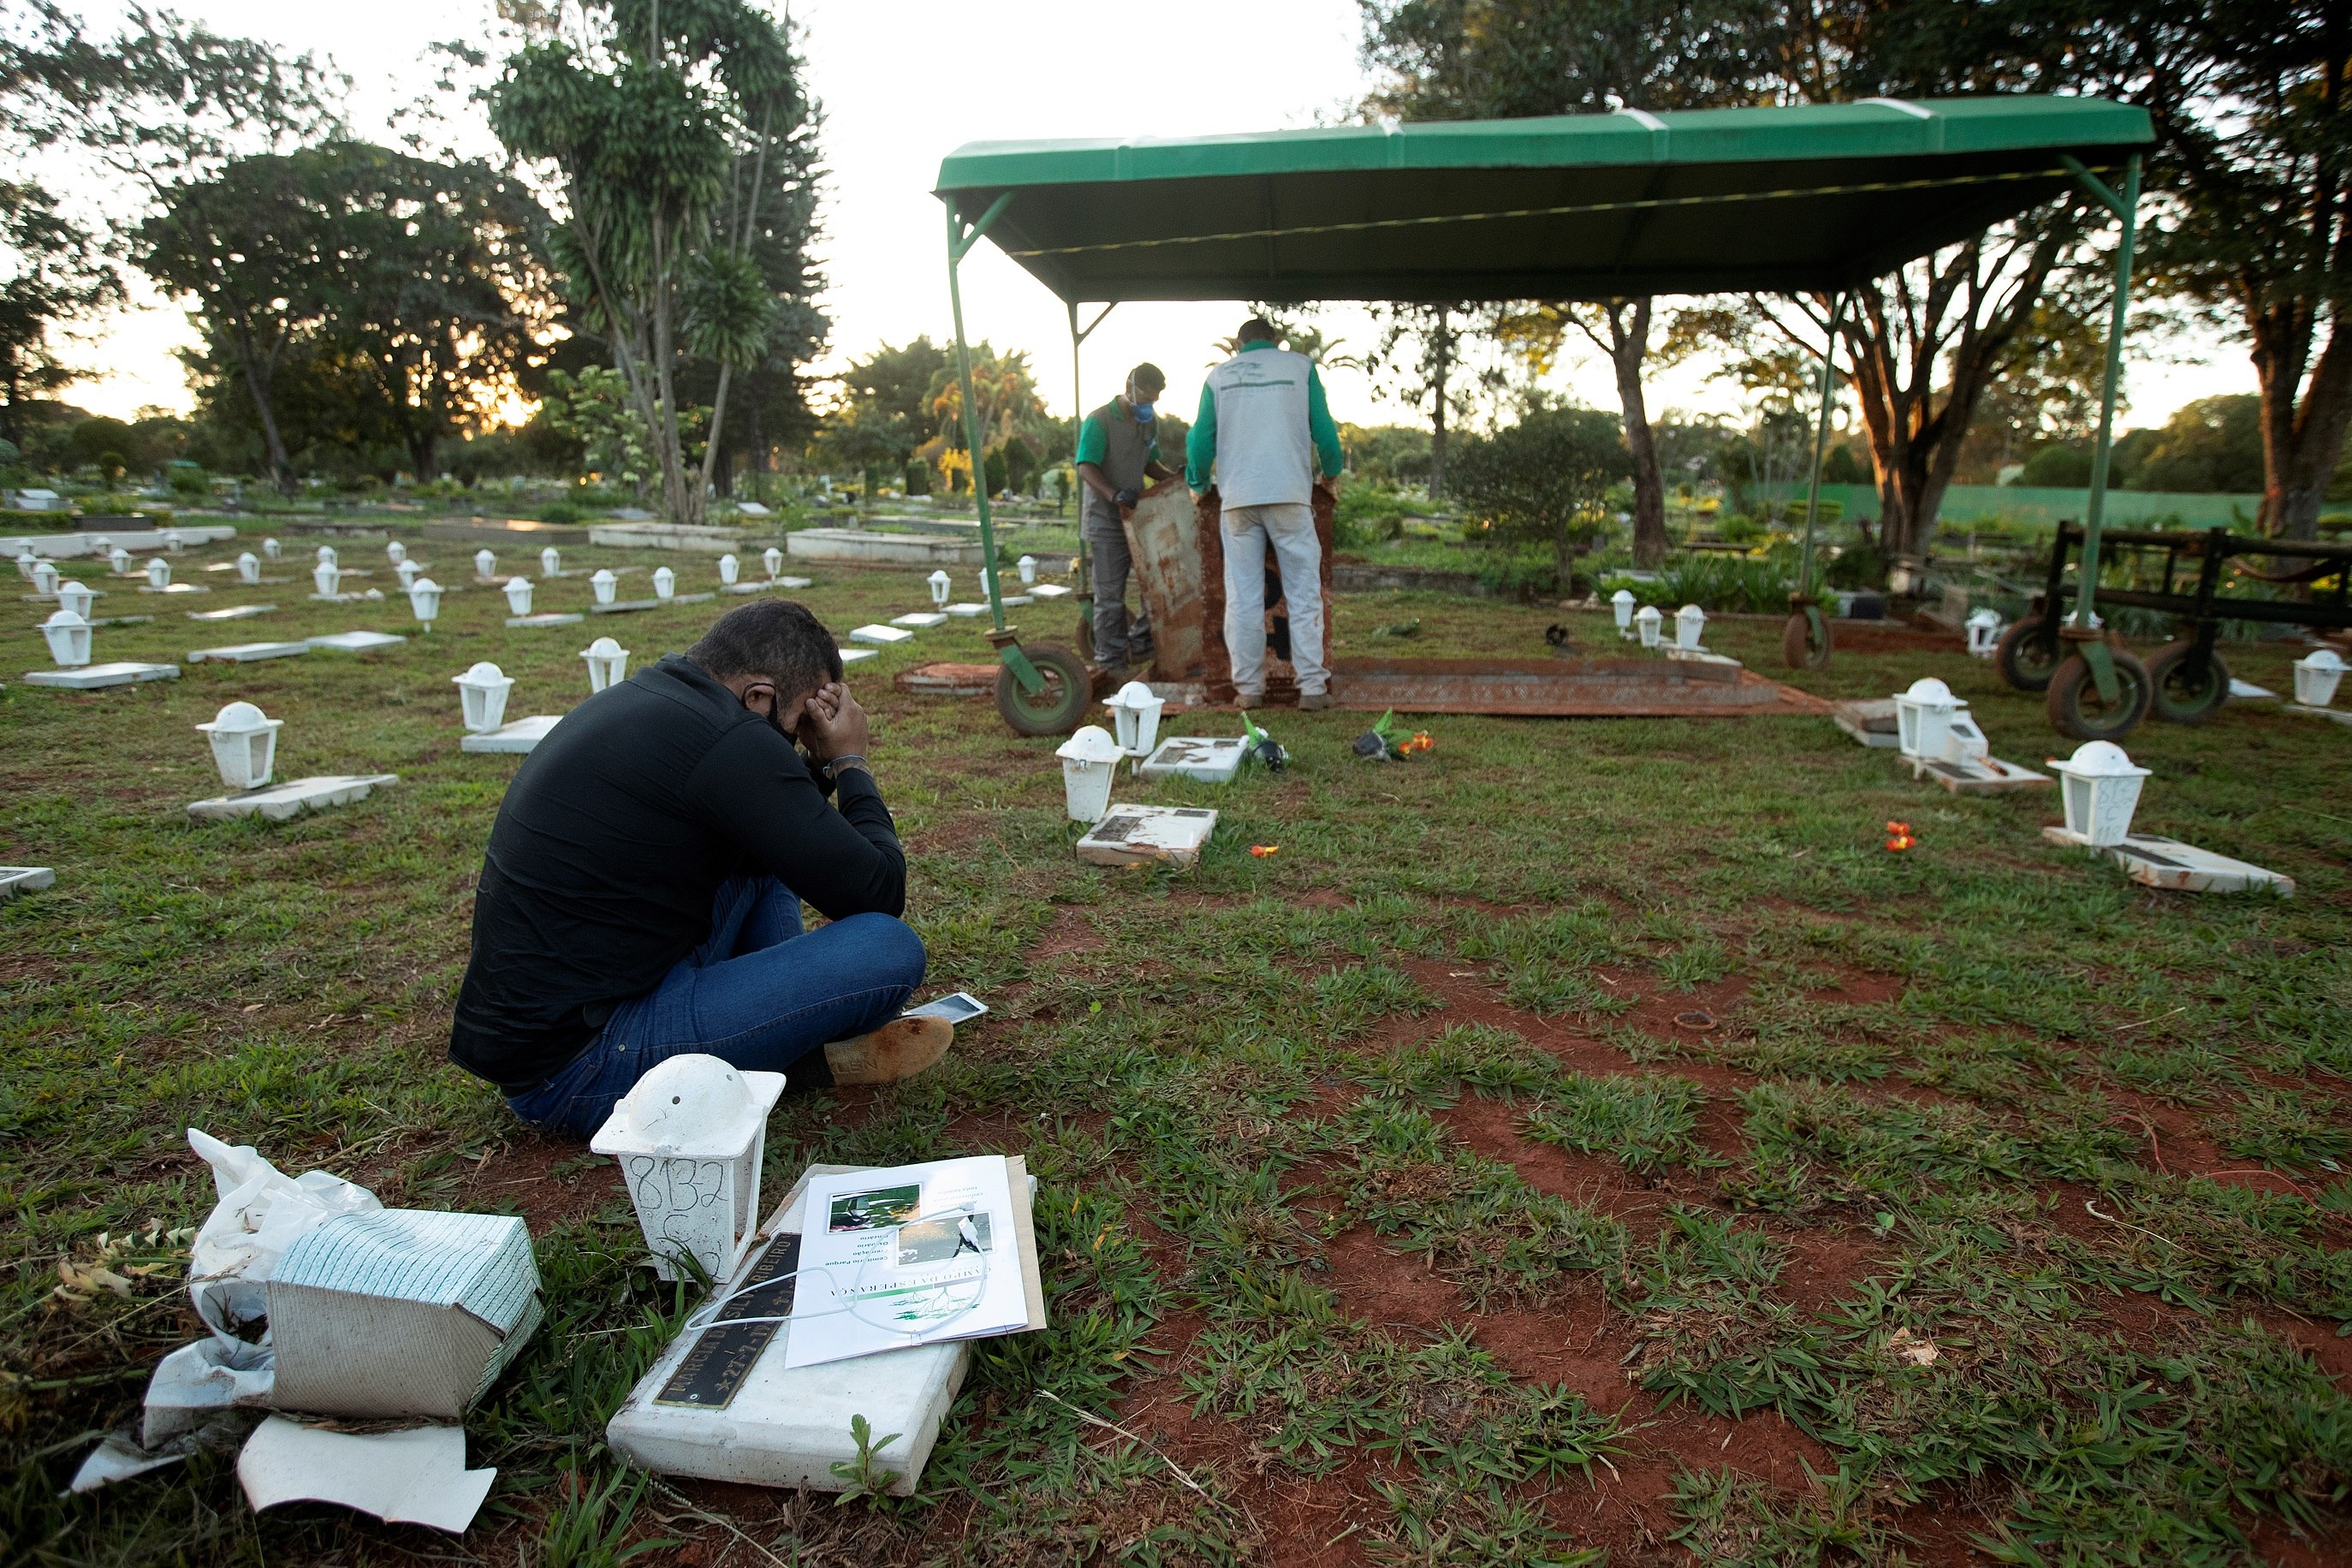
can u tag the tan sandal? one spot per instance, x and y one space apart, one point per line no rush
898 1049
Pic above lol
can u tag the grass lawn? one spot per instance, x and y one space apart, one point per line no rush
1585 1141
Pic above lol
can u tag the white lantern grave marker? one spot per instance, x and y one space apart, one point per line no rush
550 562
68 635
158 573
1028 564
482 691
1135 716
118 559
272 549
729 570
2100 788
519 595
424 600
45 578
326 576
939 583
245 745
1646 622
1621 604
664 583
486 563
1984 630
1089 763
688 1139
608 664
395 553
248 568
327 556
773 560
75 597
1690 621
2317 675
408 571
604 582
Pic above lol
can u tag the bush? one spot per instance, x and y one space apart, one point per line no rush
561 511
1543 480
1738 528
1729 584
918 477
1859 565
1369 513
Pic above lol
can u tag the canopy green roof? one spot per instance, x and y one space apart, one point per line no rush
1571 207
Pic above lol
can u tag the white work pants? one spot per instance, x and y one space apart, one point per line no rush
1289 526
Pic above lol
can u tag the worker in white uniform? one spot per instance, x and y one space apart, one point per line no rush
1264 428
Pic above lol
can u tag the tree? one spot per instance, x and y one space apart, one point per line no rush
883 410
667 242
162 106
53 273
2211 446
1471 59
1006 393
1415 360
1544 479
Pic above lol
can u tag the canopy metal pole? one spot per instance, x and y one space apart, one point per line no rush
1820 442
2127 210
960 240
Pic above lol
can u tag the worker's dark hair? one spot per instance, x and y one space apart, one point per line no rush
1256 330
1148 374
776 639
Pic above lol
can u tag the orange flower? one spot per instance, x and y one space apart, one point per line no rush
1421 741
1899 836
1262 850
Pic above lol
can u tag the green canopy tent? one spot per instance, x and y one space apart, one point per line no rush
1810 199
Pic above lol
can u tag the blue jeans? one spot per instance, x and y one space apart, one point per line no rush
759 993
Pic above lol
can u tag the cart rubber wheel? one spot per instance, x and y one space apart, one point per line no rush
1086 638
1797 649
2028 655
1055 710
2177 696
2073 701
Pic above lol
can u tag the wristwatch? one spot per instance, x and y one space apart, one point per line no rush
832 769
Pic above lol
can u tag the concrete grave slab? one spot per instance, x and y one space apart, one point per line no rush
551 619
721 1404
248 652
966 612
358 642
881 636
340 598
231 613
690 598
2247 691
1146 835
521 735
1701 656
895 549
852 654
122 621
759 587
1048 590
15 879
794 582
627 606
1014 601
279 801
2158 862
920 621
91 676
177 588
1978 775
1872 722
948 680
1209 759
2341 715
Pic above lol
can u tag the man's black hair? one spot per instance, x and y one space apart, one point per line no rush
1257 330
1148 374
775 640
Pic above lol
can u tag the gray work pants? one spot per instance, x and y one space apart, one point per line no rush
1289 527
1118 636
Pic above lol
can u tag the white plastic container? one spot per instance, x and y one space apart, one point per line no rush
483 692
729 570
664 583
604 582
395 553
939 583
1089 763
1690 624
245 744
2315 675
1621 604
44 577
519 595
1135 716
159 571
773 560
550 562
68 635
1646 622
326 577
608 663
248 568
272 549
424 599
1028 566
688 1139
1923 717
2100 788
486 563
75 597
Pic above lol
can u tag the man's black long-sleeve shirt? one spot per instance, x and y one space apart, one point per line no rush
609 848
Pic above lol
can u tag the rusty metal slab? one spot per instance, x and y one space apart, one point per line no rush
1563 687
1161 536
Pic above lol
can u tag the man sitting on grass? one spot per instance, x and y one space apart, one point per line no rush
641 895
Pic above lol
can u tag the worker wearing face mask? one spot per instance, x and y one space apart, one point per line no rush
1118 452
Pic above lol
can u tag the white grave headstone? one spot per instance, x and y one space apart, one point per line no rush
1049 591
282 802
245 744
919 620
15 879
515 737
1208 759
248 652
94 677
232 613
1141 835
689 1138
357 642
608 664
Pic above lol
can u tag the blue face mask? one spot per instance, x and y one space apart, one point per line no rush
1143 414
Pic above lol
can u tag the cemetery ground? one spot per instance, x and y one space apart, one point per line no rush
1584 1142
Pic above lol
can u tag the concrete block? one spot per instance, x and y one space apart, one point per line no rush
2158 862
881 636
667 536
1209 759
15 879
248 652
920 620
231 613
721 1404
894 549
852 654
1978 775
279 801
966 612
358 642
521 735
1870 721
794 582
1014 601
551 619
1141 835
90 677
